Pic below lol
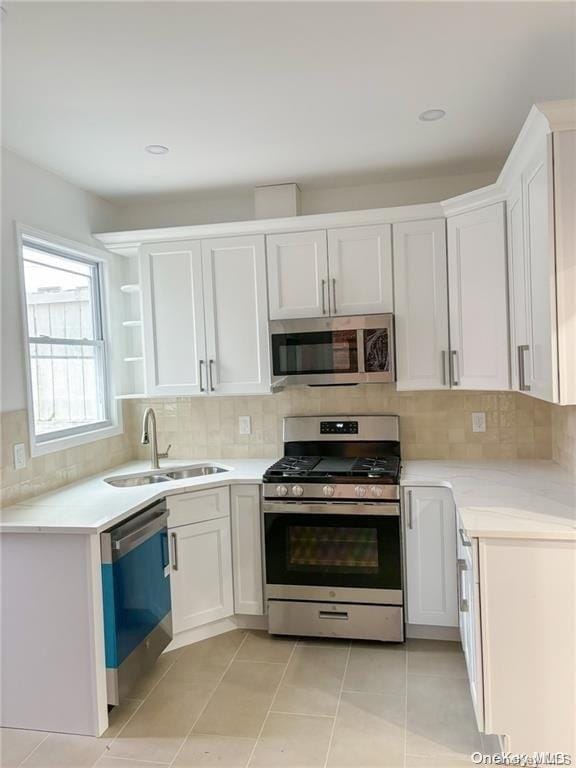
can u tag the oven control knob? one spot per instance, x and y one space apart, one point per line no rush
297 490
328 490
377 491
281 490
360 490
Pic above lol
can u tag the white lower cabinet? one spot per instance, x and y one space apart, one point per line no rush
247 549
469 619
430 536
200 558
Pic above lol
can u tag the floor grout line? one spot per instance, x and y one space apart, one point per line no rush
209 699
331 739
261 731
34 749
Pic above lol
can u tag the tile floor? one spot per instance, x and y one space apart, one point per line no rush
244 699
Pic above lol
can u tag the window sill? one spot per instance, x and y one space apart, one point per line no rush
72 441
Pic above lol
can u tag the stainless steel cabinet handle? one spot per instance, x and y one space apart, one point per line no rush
465 542
174 539
334 310
200 364
455 381
462 602
323 297
210 371
444 367
410 520
522 386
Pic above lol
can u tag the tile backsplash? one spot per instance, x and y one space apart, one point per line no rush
564 436
45 473
433 424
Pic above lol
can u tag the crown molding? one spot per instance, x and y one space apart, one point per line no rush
127 243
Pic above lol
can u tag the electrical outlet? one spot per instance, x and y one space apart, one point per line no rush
479 422
19 456
244 425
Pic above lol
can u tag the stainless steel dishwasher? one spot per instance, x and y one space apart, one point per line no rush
136 596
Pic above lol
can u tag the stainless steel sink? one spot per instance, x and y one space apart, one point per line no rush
199 471
131 482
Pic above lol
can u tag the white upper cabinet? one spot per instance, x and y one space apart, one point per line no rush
344 271
205 317
421 302
542 264
297 275
360 270
477 282
541 375
237 353
430 535
173 317
519 305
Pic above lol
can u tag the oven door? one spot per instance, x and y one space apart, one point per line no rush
344 350
342 552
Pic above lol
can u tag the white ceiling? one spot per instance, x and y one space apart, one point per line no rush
253 93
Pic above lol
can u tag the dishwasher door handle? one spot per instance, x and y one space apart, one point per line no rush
139 536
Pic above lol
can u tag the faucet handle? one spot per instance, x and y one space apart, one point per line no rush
166 452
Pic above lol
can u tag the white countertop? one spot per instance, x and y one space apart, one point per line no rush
92 506
522 498
511 499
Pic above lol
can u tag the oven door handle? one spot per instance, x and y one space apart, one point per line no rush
378 509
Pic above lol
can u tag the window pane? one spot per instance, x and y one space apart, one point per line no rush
60 296
67 386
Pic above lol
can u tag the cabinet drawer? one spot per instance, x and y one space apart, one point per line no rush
198 506
290 617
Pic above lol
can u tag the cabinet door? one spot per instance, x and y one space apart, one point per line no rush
297 275
247 549
519 306
421 305
173 318
360 270
201 573
238 358
469 620
430 535
539 239
478 302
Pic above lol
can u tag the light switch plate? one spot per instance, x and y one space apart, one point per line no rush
244 425
479 422
19 456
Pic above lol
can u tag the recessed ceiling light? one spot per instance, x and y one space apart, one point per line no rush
430 115
157 149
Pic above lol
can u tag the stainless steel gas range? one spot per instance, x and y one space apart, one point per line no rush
333 549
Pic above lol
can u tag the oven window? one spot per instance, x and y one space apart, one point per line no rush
314 352
338 550
332 549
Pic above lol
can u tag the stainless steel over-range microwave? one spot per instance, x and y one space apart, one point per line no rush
336 350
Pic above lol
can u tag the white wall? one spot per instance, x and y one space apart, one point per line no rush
238 205
40 199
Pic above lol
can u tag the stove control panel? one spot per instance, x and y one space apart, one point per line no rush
327 492
338 427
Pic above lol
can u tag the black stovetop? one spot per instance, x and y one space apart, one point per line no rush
333 468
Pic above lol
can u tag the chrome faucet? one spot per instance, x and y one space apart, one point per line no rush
150 437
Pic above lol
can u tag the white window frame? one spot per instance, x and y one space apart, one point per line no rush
43 444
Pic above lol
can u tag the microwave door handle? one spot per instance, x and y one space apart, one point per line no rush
360 350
